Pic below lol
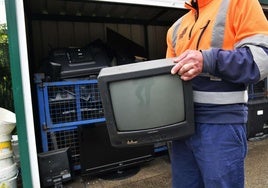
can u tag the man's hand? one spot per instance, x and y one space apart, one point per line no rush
188 65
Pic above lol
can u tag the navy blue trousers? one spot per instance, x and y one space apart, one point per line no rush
212 158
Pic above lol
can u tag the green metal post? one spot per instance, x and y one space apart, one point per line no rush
22 96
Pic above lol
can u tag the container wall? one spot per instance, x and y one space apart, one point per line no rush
56 34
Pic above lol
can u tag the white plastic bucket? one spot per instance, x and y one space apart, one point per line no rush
6 162
5 146
6 155
5 137
7 121
9 183
8 172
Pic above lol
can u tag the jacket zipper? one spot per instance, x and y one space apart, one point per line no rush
194 5
201 34
190 33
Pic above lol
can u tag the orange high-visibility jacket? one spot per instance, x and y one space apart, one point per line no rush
227 20
233 37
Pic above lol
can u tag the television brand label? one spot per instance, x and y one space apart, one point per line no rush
130 142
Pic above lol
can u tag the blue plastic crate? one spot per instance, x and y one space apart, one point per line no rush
68 103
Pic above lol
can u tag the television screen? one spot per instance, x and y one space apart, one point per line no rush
144 104
146 90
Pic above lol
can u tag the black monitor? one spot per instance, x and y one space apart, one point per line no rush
55 167
76 62
99 157
144 104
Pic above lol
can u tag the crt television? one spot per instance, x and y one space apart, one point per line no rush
144 104
98 156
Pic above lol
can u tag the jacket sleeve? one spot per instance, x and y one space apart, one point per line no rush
237 66
247 62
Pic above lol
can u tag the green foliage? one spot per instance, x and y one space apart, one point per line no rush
6 96
3 33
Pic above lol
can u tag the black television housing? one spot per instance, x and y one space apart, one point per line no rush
144 104
77 62
55 167
99 157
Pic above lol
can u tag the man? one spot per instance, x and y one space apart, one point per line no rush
222 46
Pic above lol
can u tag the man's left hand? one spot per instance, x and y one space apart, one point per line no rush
188 65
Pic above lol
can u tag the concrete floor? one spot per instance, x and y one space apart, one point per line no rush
157 173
